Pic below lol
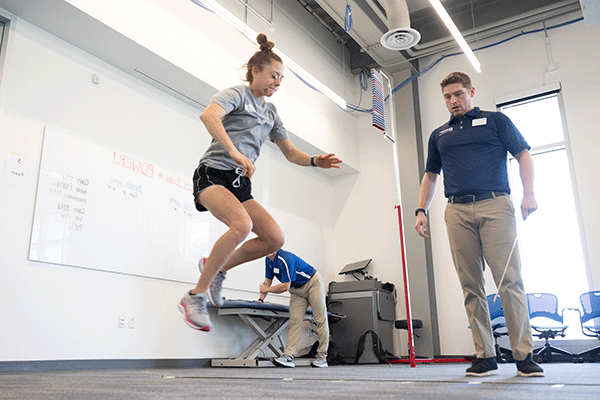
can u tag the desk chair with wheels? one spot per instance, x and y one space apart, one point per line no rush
590 320
503 355
548 323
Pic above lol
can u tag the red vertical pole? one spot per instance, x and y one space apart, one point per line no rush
411 347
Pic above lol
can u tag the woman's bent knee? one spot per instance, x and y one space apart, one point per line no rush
241 228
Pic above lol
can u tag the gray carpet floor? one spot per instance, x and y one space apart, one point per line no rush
394 381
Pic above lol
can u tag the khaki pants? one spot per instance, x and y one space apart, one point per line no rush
313 294
486 230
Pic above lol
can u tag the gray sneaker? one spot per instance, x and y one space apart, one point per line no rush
216 286
195 313
284 361
319 363
214 290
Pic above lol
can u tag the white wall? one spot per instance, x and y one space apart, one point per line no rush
510 68
58 312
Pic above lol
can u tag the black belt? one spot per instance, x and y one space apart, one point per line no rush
471 198
302 284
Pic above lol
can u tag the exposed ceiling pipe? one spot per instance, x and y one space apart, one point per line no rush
484 32
498 27
400 35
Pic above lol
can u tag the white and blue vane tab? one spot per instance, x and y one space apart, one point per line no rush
378 111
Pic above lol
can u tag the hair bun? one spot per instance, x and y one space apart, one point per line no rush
265 44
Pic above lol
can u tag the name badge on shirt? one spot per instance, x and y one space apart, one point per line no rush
480 121
276 270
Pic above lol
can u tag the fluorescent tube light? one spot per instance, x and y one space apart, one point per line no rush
456 33
288 62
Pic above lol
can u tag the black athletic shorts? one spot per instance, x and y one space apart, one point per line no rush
204 176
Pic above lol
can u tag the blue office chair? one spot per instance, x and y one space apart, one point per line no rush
503 355
544 316
590 320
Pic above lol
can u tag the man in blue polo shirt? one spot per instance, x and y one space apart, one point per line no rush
306 289
471 149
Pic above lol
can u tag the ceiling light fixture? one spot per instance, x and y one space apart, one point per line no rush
456 33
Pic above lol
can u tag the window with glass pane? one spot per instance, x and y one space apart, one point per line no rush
550 244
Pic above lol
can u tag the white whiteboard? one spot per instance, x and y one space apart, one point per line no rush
103 209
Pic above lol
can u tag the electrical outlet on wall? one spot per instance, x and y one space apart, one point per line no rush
121 321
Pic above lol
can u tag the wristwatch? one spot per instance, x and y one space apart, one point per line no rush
418 210
312 161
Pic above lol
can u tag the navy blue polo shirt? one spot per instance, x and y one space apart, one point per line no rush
472 150
288 267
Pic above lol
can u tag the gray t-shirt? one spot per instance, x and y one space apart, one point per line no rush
248 123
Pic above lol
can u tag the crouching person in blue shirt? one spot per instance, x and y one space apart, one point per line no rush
306 289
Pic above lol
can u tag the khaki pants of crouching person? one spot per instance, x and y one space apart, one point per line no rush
311 293
485 231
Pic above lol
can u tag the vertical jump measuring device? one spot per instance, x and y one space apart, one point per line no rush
379 122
